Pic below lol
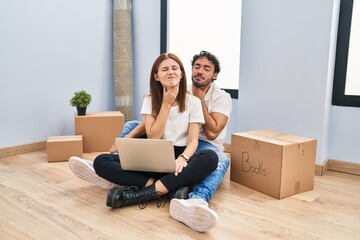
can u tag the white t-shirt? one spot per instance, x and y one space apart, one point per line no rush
177 124
216 100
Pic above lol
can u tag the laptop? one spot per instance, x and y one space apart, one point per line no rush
149 155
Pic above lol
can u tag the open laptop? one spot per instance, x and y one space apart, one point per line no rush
149 155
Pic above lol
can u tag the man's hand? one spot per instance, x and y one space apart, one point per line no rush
214 122
200 92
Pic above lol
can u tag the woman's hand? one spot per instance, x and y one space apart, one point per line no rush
180 164
170 94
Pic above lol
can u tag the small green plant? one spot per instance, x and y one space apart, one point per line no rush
80 99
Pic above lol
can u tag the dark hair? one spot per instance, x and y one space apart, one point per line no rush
156 88
212 58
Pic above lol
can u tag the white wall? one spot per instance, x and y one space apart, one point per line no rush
345 134
287 62
146 39
284 68
48 50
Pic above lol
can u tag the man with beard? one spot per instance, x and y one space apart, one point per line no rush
216 106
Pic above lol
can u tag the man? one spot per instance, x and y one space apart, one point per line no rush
216 106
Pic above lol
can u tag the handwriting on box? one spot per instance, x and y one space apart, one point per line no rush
248 166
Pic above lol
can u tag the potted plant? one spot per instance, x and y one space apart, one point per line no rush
81 100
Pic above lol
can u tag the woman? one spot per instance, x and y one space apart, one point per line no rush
170 113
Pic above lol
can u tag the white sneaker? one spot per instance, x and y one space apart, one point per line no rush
84 170
194 212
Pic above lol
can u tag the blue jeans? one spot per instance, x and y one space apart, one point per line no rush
207 187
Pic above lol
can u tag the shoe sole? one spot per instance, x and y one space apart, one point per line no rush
83 171
199 218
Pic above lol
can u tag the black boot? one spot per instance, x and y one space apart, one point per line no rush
120 197
180 193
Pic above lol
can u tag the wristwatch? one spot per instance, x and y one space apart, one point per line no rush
185 156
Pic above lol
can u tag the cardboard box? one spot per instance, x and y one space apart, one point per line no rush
61 148
99 129
273 163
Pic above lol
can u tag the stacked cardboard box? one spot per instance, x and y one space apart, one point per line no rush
99 129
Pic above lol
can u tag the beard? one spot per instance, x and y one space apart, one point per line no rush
202 83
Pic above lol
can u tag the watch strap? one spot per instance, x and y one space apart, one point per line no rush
185 156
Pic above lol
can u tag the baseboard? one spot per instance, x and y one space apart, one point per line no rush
343 166
227 147
321 169
21 149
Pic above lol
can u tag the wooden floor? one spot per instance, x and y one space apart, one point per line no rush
41 200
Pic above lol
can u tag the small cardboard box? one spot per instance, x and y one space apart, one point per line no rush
61 148
273 163
99 129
